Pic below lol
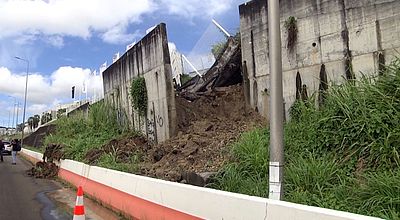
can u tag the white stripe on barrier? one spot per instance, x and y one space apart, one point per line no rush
203 202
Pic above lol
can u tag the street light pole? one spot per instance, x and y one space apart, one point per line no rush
276 160
9 117
16 119
13 114
26 92
14 103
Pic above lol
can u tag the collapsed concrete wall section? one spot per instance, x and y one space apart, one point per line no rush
335 40
149 58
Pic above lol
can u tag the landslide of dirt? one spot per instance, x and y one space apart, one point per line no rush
206 127
123 149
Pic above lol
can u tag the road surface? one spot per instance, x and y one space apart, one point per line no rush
23 197
26 198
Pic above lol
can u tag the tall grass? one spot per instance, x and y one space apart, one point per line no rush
248 172
79 133
343 155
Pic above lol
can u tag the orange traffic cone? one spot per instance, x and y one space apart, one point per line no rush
79 210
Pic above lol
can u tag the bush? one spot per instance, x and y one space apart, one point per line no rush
343 155
79 134
139 95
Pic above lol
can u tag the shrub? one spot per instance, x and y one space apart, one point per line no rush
139 95
343 155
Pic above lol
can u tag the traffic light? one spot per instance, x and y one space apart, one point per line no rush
73 92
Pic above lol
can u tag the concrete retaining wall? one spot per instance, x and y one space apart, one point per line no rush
147 198
149 58
366 33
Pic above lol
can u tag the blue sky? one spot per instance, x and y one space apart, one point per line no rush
65 40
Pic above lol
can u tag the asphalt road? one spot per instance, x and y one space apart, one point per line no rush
23 197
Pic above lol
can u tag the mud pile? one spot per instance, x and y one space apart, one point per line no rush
206 128
123 149
44 170
47 168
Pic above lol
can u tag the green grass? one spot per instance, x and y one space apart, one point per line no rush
110 161
343 155
79 134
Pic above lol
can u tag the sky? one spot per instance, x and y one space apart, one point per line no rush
64 41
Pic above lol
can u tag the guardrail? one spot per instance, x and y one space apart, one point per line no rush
143 197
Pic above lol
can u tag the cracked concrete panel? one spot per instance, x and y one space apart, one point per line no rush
365 65
149 58
338 33
363 39
359 16
390 32
335 72
332 47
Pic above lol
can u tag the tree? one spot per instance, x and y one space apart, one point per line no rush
36 119
218 48
30 122
46 118
61 112
19 127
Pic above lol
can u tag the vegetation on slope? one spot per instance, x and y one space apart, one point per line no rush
343 155
80 134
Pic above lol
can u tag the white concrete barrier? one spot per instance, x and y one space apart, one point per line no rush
33 156
148 198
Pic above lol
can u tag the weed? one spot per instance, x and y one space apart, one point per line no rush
79 134
342 155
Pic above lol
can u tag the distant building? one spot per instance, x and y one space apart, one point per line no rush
3 130
176 65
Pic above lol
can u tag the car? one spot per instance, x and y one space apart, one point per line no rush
7 147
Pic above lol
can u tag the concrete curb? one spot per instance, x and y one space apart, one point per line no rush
147 198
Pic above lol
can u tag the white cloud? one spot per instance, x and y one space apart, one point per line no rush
55 40
197 8
44 92
37 109
74 18
26 20
117 35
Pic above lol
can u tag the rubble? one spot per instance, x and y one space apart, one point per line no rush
44 170
47 168
226 71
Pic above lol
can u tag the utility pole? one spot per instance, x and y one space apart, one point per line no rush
276 159
14 103
9 117
13 115
25 96
16 121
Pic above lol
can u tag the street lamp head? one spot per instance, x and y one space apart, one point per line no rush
19 58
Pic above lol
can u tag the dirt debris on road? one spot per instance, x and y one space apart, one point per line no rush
43 170
47 168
